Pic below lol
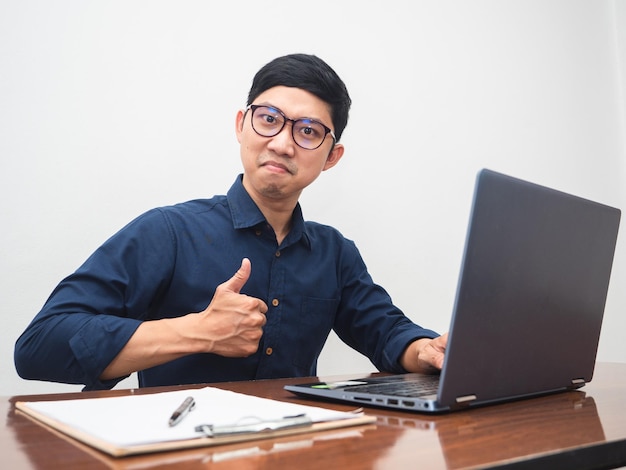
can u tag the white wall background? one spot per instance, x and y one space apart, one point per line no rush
110 108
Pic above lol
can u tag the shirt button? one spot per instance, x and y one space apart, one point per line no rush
269 351
257 232
278 254
275 302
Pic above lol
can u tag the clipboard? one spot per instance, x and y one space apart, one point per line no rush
138 424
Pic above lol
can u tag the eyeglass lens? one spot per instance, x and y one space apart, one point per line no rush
268 122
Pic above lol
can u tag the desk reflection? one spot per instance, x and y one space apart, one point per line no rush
508 432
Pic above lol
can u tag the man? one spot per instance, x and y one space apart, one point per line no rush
160 297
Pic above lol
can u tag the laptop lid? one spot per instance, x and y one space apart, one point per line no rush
530 298
531 293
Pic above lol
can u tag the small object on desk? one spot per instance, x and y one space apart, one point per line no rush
185 407
253 424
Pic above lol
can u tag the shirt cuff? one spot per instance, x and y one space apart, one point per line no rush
97 343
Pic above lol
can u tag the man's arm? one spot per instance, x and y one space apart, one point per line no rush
232 326
425 355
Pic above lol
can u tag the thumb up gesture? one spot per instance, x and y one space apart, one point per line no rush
232 324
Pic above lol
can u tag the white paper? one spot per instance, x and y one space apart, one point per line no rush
143 419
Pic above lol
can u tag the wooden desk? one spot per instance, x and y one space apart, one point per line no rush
581 429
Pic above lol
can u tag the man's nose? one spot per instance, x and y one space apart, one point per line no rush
283 141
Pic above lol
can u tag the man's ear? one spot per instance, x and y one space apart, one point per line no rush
333 157
241 116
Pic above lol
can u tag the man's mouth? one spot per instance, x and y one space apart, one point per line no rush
277 167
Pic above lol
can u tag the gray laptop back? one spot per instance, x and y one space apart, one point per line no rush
531 292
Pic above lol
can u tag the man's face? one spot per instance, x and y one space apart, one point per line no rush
276 168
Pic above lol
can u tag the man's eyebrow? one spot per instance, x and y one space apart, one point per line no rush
310 118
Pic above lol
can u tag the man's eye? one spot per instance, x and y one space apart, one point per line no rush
309 131
269 119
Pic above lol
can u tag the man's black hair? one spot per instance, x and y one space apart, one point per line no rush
309 73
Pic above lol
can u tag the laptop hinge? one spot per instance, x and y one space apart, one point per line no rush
578 382
465 399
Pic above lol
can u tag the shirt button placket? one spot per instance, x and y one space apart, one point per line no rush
275 302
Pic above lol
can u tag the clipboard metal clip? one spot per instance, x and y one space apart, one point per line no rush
252 424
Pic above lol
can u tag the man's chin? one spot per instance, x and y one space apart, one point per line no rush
272 191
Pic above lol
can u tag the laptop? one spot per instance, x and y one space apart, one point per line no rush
528 309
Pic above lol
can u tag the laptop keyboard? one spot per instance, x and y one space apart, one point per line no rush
425 385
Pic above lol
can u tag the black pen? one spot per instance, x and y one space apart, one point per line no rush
185 407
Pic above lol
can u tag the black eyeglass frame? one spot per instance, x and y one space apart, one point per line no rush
328 131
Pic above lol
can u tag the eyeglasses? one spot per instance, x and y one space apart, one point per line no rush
268 121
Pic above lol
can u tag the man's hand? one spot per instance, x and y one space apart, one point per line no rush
232 324
425 355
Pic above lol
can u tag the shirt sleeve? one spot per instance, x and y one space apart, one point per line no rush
367 319
92 313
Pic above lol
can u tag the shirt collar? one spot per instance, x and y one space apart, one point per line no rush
245 214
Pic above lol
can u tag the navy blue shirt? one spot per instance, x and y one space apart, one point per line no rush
169 261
